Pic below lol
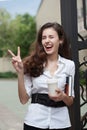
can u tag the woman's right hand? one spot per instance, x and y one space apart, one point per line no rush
17 61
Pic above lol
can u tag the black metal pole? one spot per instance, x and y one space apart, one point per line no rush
69 22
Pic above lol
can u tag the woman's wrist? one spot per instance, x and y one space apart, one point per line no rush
67 100
64 97
20 73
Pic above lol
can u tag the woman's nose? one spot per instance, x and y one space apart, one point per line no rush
47 39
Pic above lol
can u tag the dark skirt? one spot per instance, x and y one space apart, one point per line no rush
27 127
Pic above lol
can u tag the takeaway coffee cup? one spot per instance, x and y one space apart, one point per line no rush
52 86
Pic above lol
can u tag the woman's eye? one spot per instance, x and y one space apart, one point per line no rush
51 37
43 38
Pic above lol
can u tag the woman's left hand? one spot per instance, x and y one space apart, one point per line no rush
59 95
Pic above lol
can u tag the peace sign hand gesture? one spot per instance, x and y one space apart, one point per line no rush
17 61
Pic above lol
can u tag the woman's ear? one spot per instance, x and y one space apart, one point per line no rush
61 42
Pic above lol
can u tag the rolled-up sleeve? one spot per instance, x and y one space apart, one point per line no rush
28 84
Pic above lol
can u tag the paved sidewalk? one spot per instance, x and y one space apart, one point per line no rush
8 120
11 110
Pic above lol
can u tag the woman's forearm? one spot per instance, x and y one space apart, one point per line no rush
68 100
23 96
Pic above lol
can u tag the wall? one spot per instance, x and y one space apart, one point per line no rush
49 11
6 65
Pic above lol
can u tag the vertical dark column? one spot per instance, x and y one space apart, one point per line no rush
69 22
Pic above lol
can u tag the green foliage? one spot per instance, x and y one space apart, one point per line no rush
20 31
1 53
82 77
4 23
26 33
8 75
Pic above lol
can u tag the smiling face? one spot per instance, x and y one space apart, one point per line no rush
50 41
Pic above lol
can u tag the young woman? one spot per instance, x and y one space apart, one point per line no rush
49 60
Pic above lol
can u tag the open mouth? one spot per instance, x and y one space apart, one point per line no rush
48 47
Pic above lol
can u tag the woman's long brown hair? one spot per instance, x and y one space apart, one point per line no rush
33 64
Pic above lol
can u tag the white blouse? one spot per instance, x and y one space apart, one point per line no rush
48 117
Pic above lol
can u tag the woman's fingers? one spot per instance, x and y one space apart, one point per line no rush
11 53
18 53
15 58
